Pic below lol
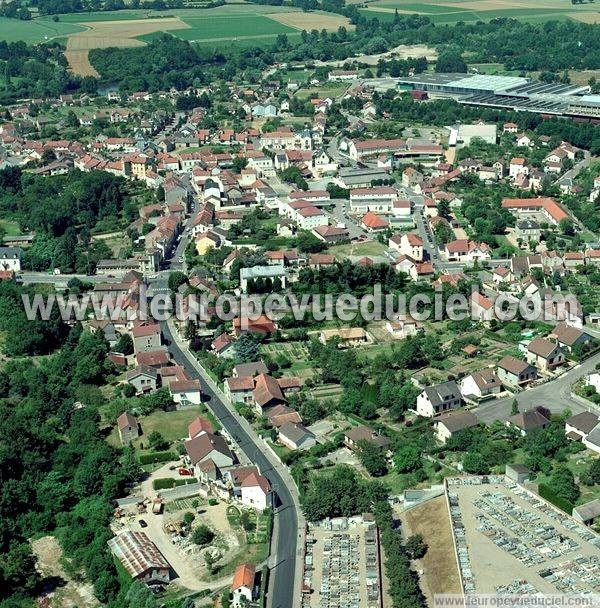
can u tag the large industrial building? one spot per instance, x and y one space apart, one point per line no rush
509 92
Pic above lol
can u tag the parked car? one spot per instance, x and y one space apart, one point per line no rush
142 523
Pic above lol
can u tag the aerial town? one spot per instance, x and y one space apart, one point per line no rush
298 332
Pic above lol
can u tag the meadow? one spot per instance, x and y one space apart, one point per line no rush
453 11
33 32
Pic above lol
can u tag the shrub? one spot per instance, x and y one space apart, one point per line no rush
202 535
152 457
547 493
166 483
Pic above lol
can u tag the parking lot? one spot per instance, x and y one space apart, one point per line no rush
341 565
510 541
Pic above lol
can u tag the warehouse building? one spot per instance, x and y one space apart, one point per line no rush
510 93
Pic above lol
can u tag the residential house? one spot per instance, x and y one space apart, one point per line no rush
186 392
256 492
143 378
295 436
239 390
146 336
243 588
584 427
128 427
453 422
464 250
544 354
434 400
354 436
481 384
528 421
198 426
223 346
267 393
569 337
208 447
515 372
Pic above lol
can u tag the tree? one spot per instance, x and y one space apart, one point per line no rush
157 442
443 233
407 459
124 344
450 62
594 472
475 463
372 458
514 408
176 280
415 546
202 535
246 348
563 484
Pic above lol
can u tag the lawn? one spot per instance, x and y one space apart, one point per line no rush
358 249
171 425
10 228
35 31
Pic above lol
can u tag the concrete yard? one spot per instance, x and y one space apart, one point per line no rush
532 538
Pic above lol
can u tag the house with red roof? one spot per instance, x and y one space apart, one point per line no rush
374 223
198 426
464 250
243 586
256 492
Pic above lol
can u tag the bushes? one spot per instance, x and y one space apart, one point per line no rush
165 483
154 457
546 492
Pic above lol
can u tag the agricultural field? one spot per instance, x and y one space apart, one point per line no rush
36 31
452 11
239 25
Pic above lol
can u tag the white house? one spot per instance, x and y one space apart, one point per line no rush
186 392
256 492
243 587
464 250
439 398
446 425
481 384
10 258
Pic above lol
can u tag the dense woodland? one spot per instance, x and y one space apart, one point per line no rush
58 475
63 211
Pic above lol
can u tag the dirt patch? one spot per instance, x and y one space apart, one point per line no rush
309 21
586 17
67 593
440 572
105 34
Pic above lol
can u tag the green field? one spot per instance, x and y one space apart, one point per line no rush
445 13
228 27
35 31
125 15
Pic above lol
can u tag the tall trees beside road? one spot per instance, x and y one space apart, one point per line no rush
57 472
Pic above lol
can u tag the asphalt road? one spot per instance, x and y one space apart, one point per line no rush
555 395
282 575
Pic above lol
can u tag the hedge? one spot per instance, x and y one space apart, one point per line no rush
164 483
546 492
152 457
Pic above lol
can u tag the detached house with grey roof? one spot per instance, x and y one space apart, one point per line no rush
439 398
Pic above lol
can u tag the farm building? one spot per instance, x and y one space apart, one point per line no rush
140 557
